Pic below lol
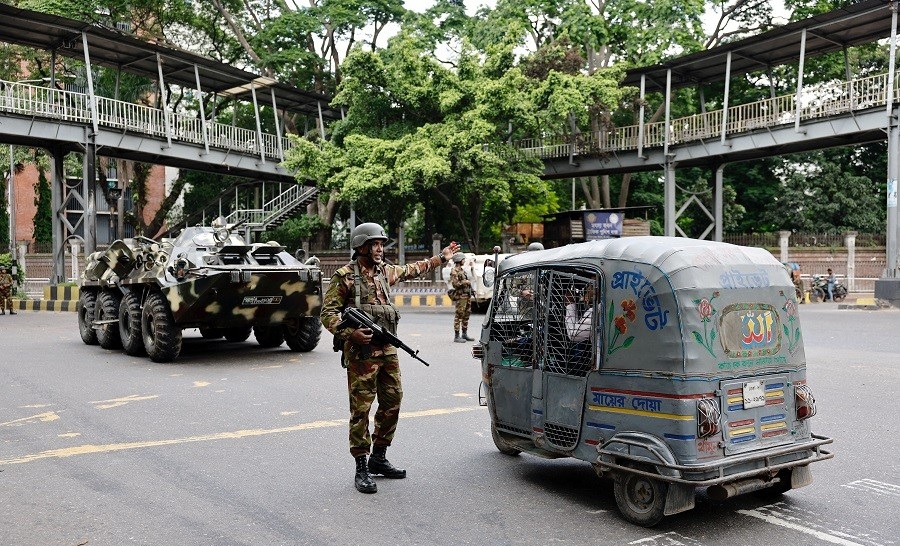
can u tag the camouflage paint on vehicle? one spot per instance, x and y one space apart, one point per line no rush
209 279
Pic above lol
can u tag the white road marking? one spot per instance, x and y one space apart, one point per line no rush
821 535
874 486
667 539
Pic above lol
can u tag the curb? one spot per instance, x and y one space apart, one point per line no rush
415 300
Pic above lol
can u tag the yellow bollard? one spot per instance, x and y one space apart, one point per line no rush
806 296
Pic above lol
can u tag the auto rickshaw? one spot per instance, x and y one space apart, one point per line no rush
669 364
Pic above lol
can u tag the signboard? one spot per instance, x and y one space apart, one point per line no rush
602 225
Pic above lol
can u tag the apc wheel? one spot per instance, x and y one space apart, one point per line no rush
302 334
502 446
108 309
130 325
162 338
210 333
87 304
640 499
268 335
237 334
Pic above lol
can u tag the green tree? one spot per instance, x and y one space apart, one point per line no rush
43 216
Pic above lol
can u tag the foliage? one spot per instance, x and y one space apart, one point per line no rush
293 232
6 260
43 216
827 191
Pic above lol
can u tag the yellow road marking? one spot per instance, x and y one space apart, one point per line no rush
47 416
89 449
116 402
201 383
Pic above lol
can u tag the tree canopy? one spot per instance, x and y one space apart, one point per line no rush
432 100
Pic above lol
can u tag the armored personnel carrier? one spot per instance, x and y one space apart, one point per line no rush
139 294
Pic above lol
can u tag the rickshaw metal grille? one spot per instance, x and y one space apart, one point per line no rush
564 298
561 436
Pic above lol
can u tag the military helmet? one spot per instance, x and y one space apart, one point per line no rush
535 246
459 257
368 231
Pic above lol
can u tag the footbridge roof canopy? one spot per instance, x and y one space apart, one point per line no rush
113 48
858 23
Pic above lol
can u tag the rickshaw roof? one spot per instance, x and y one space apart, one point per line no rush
668 254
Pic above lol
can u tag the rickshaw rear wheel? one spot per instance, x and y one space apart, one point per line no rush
502 445
640 499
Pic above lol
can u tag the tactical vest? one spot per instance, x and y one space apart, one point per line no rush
384 315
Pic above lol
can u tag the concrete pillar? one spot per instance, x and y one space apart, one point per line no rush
75 252
23 249
401 245
435 251
783 238
57 204
850 244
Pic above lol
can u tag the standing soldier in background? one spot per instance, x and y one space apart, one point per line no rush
6 282
373 371
463 288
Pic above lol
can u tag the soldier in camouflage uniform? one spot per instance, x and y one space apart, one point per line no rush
373 371
6 282
460 282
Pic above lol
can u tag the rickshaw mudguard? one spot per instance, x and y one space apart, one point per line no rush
639 446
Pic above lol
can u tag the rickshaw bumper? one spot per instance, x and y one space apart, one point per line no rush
618 455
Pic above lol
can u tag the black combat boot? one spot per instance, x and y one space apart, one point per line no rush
363 480
465 336
457 339
378 464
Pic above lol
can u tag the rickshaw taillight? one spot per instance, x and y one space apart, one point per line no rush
805 401
708 416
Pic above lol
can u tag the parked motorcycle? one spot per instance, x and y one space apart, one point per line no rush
818 290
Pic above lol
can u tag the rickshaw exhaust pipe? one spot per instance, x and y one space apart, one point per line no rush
725 491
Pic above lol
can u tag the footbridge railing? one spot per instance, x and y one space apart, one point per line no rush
814 102
75 107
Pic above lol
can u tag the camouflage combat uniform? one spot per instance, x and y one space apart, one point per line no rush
6 282
463 286
378 375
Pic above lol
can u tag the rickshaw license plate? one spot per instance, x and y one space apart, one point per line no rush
754 394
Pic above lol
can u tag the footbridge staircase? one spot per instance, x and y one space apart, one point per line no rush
259 206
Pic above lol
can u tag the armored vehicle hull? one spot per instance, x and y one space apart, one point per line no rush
139 294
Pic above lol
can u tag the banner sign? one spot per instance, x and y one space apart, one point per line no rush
602 225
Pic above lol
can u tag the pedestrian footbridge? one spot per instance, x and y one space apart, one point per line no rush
62 119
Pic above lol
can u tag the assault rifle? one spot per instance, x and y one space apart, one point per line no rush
354 318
